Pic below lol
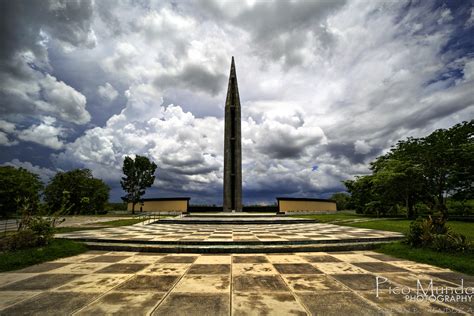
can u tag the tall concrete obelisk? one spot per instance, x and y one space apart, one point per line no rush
232 147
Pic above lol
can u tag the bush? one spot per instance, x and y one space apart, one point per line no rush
451 242
433 233
20 240
43 230
415 232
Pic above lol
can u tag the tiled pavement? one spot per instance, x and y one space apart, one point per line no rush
231 233
124 283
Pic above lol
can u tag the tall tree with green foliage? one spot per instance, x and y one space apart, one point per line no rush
398 182
342 200
139 175
427 170
16 185
361 190
87 195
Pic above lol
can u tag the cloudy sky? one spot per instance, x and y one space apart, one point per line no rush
325 87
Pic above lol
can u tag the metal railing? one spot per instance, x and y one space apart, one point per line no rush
152 217
8 225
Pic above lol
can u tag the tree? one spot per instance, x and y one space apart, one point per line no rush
342 200
139 175
361 191
86 194
398 182
426 170
16 185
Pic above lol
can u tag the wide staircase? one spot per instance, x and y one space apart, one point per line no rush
232 233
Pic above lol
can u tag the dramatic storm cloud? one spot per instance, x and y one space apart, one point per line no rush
325 87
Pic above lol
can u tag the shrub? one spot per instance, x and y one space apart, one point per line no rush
433 233
22 239
43 229
415 232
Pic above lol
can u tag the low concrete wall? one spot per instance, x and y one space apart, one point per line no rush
161 205
295 205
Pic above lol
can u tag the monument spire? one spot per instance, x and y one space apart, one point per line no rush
232 146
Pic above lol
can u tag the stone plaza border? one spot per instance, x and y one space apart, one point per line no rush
225 238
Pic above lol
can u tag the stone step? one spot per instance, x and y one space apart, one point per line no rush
167 248
235 221
232 215
227 243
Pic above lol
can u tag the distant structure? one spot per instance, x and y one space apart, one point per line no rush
232 147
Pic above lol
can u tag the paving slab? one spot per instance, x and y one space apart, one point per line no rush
94 283
51 304
191 304
344 303
123 268
43 267
266 304
212 259
379 267
177 259
259 283
296 268
313 283
40 282
155 283
249 259
203 284
253 268
6 277
338 268
165 269
123 303
107 258
321 258
209 269
12 297
359 282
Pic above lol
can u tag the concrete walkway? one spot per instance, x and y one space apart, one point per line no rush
124 283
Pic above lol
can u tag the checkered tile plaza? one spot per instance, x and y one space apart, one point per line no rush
127 283
231 233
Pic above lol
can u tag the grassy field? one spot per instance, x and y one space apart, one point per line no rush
402 226
58 248
19 259
339 216
455 261
390 224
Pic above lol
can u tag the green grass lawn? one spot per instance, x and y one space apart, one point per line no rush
332 217
455 261
402 226
390 224
58 248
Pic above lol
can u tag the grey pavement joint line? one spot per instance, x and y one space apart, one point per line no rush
102 295
170 290
231 283
359 295
308 312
